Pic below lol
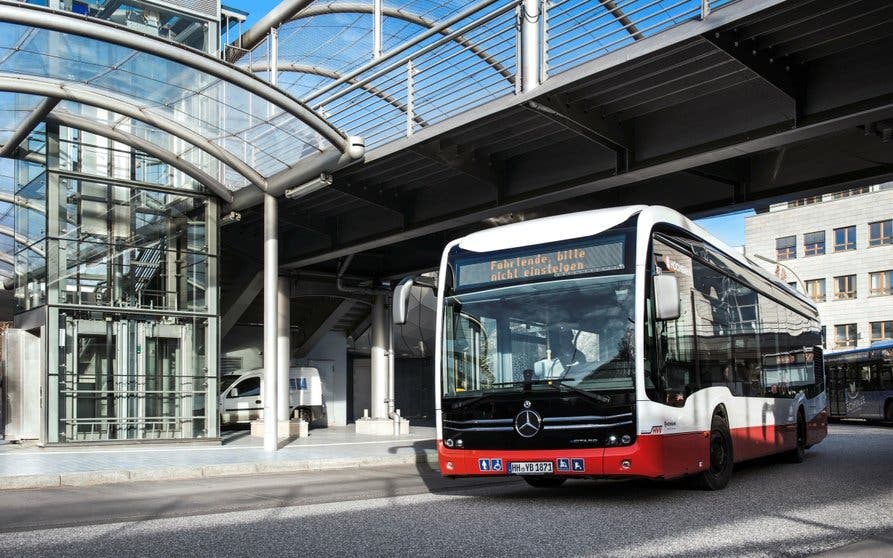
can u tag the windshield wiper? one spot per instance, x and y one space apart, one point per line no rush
472 400
559 383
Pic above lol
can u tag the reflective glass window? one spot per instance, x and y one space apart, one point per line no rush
845 238
814 243
786 248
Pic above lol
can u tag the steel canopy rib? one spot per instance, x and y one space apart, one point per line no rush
96 98
27 125
41 18
145 146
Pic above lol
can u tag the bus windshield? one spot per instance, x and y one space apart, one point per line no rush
575 332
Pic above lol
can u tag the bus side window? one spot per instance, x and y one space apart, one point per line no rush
672 371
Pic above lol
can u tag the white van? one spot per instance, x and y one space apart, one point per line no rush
241 401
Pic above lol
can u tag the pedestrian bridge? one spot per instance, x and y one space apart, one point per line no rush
475 115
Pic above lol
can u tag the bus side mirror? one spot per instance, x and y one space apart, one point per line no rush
401 299
666 297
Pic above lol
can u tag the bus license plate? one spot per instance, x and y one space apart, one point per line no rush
530 468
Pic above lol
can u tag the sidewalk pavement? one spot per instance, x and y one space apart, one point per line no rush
29 466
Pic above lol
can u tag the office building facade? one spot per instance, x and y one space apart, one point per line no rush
838 249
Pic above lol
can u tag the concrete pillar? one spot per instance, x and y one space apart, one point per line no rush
530 44
271 281
379 360
283 348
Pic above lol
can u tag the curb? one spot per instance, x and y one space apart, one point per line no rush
92 478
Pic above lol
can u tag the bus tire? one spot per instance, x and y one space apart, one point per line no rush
545 482
797 454
888 410
305 415
720 458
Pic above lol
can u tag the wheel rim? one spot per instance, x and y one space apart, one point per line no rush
717 453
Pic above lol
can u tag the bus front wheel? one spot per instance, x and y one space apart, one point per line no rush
719 469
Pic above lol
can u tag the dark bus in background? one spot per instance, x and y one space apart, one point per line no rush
860 382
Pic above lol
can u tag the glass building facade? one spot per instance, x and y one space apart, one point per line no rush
117 253
116 271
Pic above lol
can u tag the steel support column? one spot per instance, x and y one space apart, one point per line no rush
271 281
376 29
379 360
530 45
283 348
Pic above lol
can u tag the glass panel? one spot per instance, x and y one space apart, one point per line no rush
671 379
880 233
31 276
881 283
578 331
786 248
131 378
845 239
845 287
30 212
814 243
815 288
243 123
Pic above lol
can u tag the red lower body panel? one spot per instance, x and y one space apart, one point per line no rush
651 456
644 458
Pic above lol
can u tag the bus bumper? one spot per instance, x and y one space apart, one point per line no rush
644 458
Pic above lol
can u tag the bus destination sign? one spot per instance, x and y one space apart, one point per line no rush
595 256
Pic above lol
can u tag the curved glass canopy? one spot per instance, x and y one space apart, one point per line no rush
209 119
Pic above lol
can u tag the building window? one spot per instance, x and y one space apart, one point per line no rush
880 233
881 283
845 335
845 287
881 331
805 201
851 192
814 243
845 239
815 288
786 248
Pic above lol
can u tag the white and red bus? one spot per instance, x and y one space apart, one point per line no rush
623 342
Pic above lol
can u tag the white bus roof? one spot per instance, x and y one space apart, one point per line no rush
587 223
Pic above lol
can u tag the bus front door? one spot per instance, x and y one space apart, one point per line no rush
837 390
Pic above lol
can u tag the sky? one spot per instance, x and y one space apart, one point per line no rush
729 227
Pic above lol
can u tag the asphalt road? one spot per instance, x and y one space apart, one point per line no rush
840 499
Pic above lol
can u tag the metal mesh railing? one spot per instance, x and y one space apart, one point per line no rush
467 59
581 30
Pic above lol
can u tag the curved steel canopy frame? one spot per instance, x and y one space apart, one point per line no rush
146 147
97 97
41 18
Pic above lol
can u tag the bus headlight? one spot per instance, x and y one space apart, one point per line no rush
625 439
448 442
612 440
459 443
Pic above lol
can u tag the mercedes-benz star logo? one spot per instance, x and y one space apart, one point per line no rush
528 423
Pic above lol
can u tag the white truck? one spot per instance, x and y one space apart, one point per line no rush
242 400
